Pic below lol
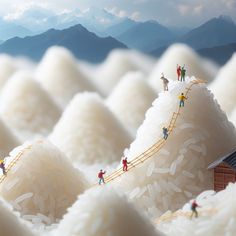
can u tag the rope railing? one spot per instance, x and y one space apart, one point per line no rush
171 216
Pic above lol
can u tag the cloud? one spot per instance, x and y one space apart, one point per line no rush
135 15
198 9
183 9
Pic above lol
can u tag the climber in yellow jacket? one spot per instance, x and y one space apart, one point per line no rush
182 98
2 166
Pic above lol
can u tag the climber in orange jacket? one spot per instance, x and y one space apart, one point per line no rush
182 98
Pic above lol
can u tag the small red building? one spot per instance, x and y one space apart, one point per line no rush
224 171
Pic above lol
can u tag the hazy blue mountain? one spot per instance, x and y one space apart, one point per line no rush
9 30
121 27
215 32
82 43
146 36
220 54
179 31
39 19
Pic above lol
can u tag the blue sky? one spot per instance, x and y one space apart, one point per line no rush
168 12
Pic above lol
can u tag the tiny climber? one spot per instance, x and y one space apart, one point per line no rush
101 178
178 71
125 164
2 166
165 82
165 133
183 73
182 98
194 206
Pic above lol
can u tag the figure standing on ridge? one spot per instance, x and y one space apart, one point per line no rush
178 71
165 133
182 98
194 206
101 178
165 82
2 166
183 73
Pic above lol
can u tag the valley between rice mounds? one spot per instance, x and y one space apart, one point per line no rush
63 120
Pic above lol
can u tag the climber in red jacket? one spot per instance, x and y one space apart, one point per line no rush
125 164
101 178
194 206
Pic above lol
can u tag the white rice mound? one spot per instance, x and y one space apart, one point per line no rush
101 211
130 100
27 108
117 64
217 216
88 132
224 86
8 140
182 55
42 184
8 67
232 117
178 172
10 223
59 75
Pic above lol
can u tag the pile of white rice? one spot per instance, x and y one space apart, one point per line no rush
113 68
182 55
178 172
8 67
89 133
42 184
27 108
130 100
11 224
224 86
102 211
60 76
217 216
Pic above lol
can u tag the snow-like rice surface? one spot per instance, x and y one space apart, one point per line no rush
130 100
232 117
27 108
182 55
217 216
101 211
178 172
59 75
8 67
10 223
224 86
8 140
117 64
42 184
88 131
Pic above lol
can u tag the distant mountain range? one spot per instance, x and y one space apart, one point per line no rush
145 36
215 32
111 32
82 43
10 30
219 54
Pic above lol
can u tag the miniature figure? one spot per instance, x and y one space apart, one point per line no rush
165 82
101 178
165 132
182 99
2 166
183 73
194 206
178 71
125 164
